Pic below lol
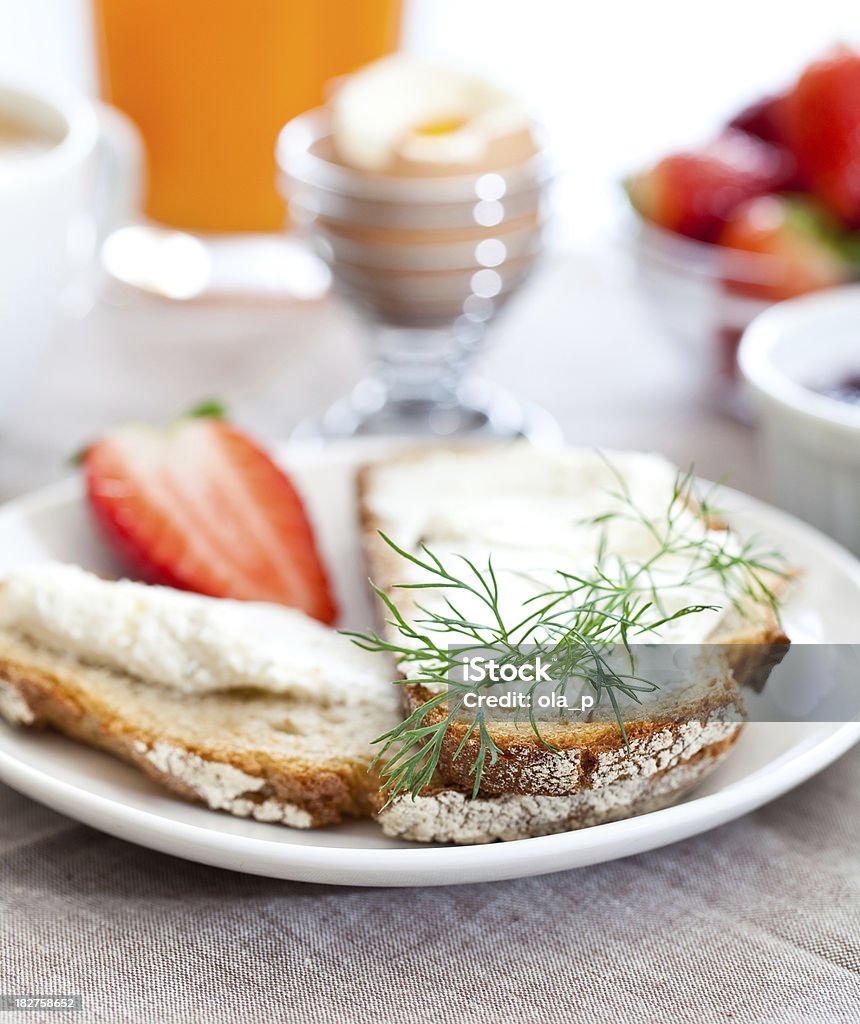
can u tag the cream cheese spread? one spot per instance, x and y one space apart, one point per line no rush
534 512
186 642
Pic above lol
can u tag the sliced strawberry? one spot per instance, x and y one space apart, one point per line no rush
201 507
802 249
693 193
820 120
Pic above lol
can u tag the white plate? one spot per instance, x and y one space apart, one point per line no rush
93 788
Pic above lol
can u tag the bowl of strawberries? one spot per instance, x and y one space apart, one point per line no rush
766 211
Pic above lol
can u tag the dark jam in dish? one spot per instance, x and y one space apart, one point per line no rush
847 391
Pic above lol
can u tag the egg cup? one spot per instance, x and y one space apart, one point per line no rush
427 262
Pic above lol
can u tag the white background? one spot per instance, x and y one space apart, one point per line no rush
616 81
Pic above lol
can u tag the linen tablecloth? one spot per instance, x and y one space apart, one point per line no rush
758 921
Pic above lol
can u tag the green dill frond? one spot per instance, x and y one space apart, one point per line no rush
575 622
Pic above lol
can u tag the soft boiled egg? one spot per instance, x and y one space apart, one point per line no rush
413 116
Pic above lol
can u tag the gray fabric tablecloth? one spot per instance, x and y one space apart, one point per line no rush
758 921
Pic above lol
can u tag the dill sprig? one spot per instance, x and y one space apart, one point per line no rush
573 624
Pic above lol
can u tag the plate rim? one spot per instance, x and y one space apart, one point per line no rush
312 863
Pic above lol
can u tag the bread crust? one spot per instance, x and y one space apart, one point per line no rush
444 814
584 754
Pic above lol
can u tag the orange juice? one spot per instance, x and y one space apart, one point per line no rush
211 82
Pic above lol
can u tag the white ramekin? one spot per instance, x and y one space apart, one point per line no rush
810 443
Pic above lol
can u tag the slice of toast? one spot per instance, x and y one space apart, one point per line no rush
274 757
592 776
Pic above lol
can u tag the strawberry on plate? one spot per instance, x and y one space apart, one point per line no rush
693 193
199 506
820 120
801 250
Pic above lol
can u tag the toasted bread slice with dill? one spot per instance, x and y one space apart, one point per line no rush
274 757
591 775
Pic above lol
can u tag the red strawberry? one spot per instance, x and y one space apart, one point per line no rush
801 247
201 507
821 123
693 193
762 119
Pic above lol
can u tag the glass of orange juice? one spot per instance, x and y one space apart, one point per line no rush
209 84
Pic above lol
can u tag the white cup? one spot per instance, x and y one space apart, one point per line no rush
55 206
810 442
